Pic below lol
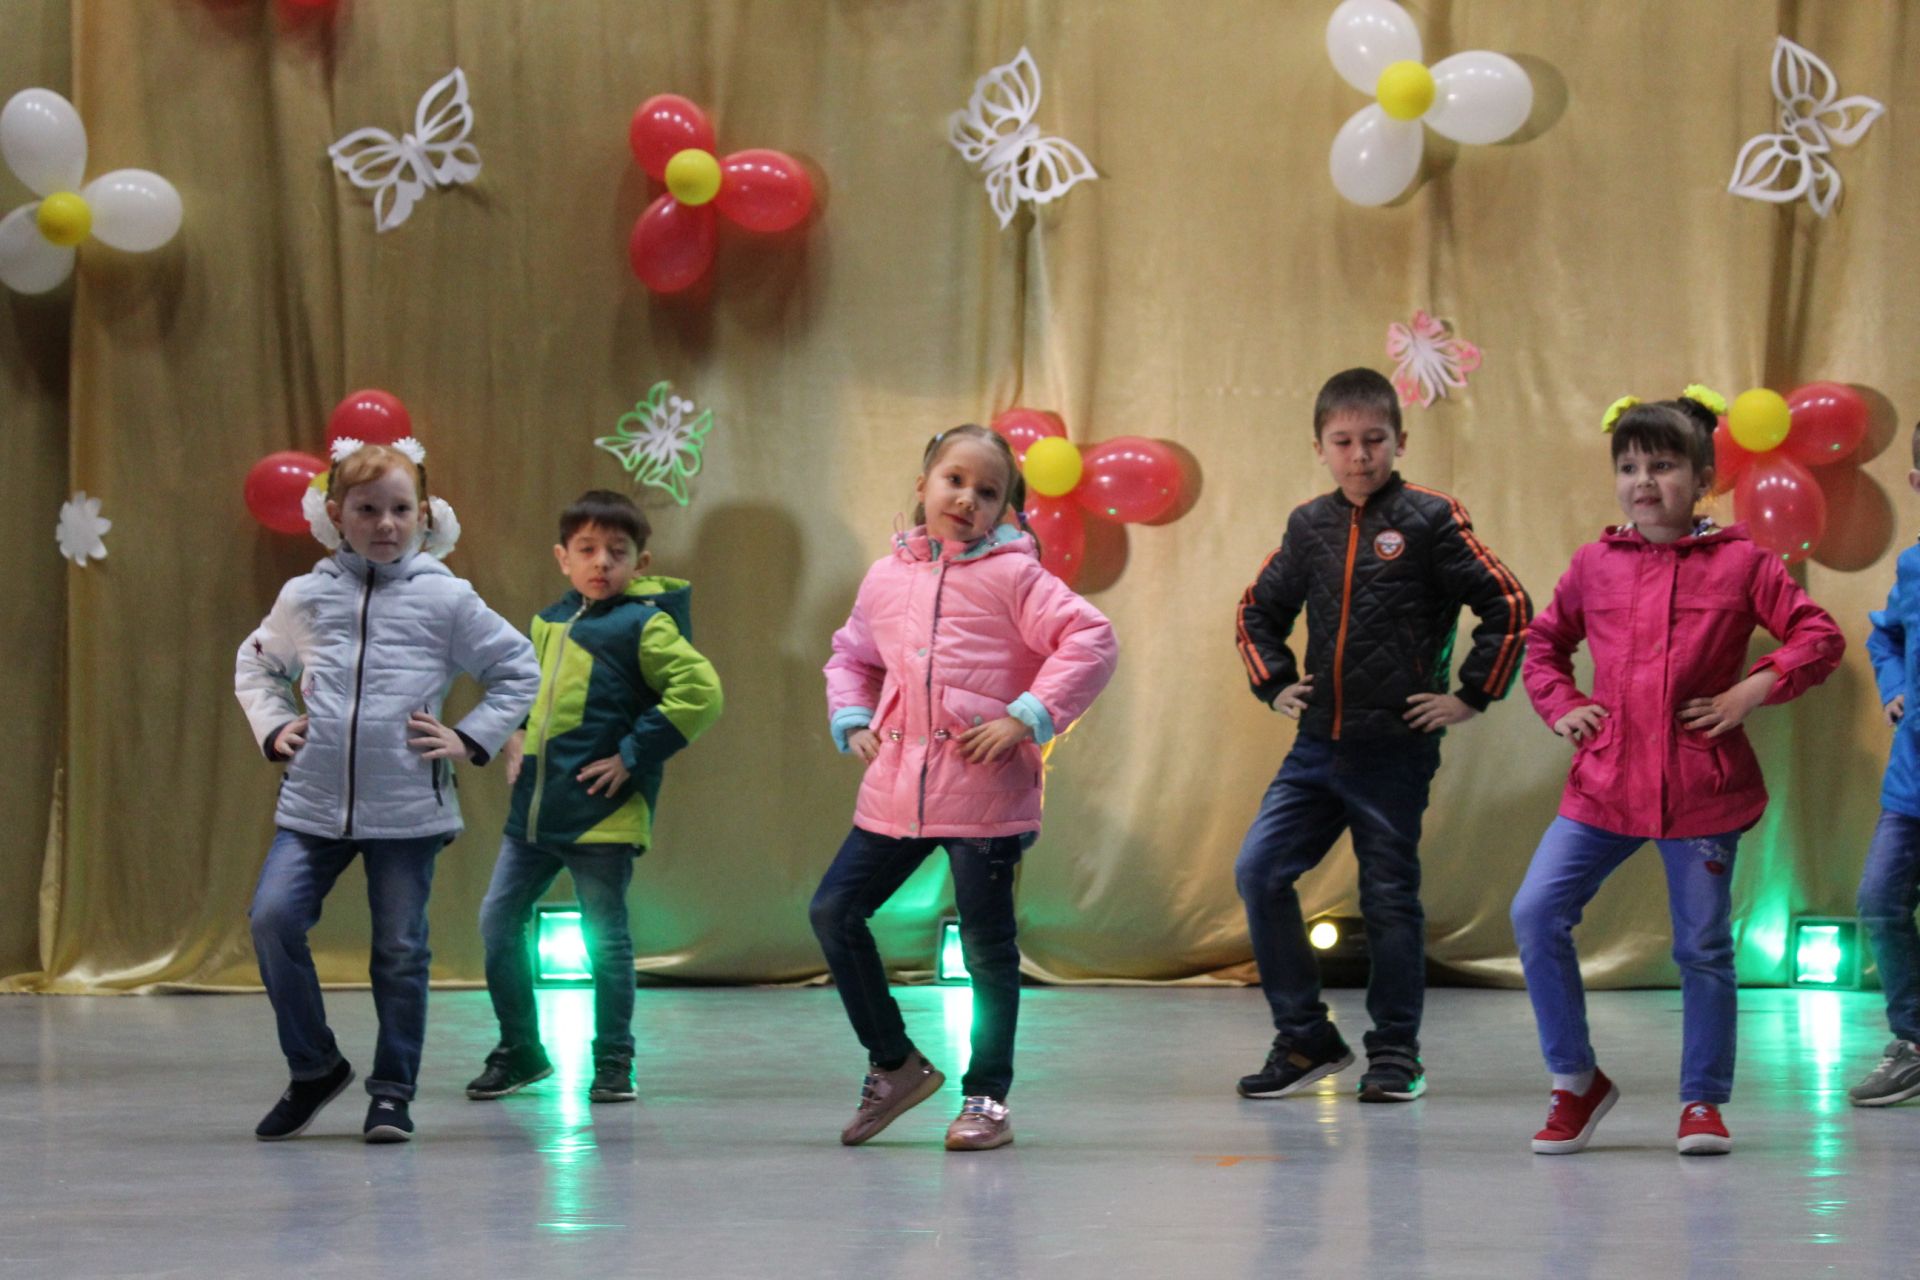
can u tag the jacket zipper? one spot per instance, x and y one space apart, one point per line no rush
551 679
1340 641
926 756
359 683
433 768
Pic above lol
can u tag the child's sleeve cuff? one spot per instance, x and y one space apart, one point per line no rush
845 721
1028 710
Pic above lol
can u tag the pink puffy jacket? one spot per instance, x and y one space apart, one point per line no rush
943 638
1666 623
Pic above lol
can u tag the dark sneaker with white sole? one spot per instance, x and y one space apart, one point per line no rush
388 1121
1293 1065
301 1103
1896 1079
612 1082
1392 1075
508 1070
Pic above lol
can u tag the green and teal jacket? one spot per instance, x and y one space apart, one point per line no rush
617 677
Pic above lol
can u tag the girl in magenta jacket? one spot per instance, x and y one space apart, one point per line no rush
961 658
1666 605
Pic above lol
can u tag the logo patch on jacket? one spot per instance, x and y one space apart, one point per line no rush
1389 543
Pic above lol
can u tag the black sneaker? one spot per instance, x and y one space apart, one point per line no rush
507 1070
301 1103
387 1121
1292 1066
1392 1075
612 1082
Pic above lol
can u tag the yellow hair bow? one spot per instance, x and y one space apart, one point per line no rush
1614 411
1713 401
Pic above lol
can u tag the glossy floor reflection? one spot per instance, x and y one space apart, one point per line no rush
125 1126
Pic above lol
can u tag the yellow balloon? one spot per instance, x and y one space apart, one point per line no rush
1053 466
1759 419
693 176
1405 90
64 219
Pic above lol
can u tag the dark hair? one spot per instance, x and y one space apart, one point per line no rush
1681 426
1916 446
612 511
1016 483
1356 391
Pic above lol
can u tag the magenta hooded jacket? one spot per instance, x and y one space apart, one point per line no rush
943 638
1666 623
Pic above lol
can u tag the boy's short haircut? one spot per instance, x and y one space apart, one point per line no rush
1916 446
607 510
1668 426
1356 391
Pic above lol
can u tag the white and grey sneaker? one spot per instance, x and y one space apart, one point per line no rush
1896 1079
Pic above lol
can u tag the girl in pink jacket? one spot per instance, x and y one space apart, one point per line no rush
1666 605
961 658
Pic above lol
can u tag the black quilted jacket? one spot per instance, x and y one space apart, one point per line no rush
1382 586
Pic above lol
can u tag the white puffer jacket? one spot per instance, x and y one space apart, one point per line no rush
367 645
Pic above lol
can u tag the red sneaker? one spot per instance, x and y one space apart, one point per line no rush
1702 1133
1572 1117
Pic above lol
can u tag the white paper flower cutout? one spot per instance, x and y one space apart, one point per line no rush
660 439
46 147
997 135
401 170
1474 97
1430 359
82 529
1782 167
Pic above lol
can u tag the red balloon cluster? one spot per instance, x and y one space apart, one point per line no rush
1776 495
278 483
672 244
1125 480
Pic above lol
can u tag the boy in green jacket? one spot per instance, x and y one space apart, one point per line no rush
621 689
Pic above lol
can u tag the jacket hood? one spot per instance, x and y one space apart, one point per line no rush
917 544
349 564
1704 531
672 596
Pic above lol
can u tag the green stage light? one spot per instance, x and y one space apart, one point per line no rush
561 947
1825 952
950 961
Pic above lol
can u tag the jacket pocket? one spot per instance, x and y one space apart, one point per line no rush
1592 768
964 709
1703 762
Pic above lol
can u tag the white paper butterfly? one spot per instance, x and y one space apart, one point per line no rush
996 133
1814 119
401 170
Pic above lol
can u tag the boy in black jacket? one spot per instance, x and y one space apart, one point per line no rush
1382 568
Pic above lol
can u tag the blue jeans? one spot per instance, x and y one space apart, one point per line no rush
601 874
1567 870
1889 892
299 871
1377 788
868 870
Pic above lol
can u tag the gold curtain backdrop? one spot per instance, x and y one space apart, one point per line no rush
1199 292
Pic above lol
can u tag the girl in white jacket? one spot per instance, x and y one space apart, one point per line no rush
371 639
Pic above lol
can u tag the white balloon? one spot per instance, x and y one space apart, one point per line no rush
1375 156
1479 97
133 209
29 262
43 140
1365 37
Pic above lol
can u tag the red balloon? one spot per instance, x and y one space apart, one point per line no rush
371 417
1129 479
1021 427
664 126
275 486
1729 459
1062 532
1782 505
1829 420
764 190
672 244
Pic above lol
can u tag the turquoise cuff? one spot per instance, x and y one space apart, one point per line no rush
1027 709
845 721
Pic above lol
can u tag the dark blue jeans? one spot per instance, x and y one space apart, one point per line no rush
1377 789
867 871
1889 893
523 873
299 871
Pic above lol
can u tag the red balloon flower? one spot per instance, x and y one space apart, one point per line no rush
1773 492
672 243
1126 480
277 484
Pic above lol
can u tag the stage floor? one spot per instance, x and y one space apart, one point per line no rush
126 1149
